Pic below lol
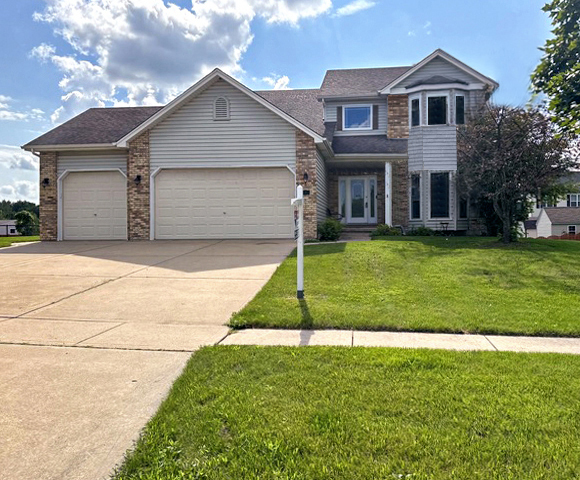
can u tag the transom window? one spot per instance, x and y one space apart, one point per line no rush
357 118
437 110
440 195
573 199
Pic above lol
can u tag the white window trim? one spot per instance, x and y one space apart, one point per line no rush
411 98
440 219
350 129
569 199
420 218
568 229
444 93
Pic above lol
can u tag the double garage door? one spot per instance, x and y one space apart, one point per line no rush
189 204
224 203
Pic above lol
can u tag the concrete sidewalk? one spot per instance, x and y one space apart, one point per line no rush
350 338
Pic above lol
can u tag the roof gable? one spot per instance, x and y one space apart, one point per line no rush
200 86
438 64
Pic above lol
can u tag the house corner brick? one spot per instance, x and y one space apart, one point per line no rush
306 163
138 195
398 116
48 197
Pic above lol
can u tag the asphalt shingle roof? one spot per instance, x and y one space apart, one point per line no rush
302 105
563 215
96 125
358 81
369 144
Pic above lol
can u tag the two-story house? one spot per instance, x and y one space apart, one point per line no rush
373 145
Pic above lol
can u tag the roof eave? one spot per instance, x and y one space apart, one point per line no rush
67 147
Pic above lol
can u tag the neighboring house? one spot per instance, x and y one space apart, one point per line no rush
373 145
558 221
8 228
572 199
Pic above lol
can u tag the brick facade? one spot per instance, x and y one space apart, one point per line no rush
398 116
306 163
399 189
48 196
138 195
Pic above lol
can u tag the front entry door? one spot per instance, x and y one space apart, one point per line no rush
361 199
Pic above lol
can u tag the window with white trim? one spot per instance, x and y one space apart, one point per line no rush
459 109
415 112
415 196
437 110
221 109
571 229
357 117
573 200
440 194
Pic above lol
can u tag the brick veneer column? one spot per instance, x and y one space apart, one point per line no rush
48 196
398 116
138 196
400 186
306 162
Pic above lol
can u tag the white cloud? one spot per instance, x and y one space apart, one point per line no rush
277 82
427 28
20 190
135 52
9 114
354 7
15 158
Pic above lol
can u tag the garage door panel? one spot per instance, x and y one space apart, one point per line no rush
224 203
94 206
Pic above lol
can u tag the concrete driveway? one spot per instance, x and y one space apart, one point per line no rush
92 335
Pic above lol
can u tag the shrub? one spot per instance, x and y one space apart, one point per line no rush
384 230
329 230
26 223
421 232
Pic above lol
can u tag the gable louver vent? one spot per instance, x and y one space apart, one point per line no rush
221 109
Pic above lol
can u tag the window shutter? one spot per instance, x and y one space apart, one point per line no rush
339 118
375 117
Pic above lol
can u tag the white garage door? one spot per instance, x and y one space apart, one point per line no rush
224 203
94 206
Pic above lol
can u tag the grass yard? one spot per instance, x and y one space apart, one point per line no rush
474 285
7 241
365 413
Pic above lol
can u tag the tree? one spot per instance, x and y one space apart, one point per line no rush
8 209
558 74
506 155
26 223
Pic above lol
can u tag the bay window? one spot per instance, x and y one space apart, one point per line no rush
440 195
415 196
437 110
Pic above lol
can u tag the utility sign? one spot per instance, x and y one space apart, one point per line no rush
298 204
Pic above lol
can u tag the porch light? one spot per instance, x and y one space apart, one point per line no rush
45 182
137 180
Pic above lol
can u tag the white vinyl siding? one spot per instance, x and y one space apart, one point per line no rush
438 66
544 225
91 161
321 189
253 136
94 206
433 147
330 116
224 203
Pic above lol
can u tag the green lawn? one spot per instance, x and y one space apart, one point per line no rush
7 241
356 413
428 284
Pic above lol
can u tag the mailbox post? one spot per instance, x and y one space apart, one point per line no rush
298 204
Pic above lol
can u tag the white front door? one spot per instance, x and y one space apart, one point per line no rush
358 199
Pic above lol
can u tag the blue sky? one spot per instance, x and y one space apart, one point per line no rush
59 57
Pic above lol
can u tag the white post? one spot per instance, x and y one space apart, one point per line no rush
299 203
388 194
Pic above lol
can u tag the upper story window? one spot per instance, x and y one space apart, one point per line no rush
437 110
357 117
221 109
415 112
573 200
459 109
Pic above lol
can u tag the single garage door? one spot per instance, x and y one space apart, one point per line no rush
224 203
94 206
